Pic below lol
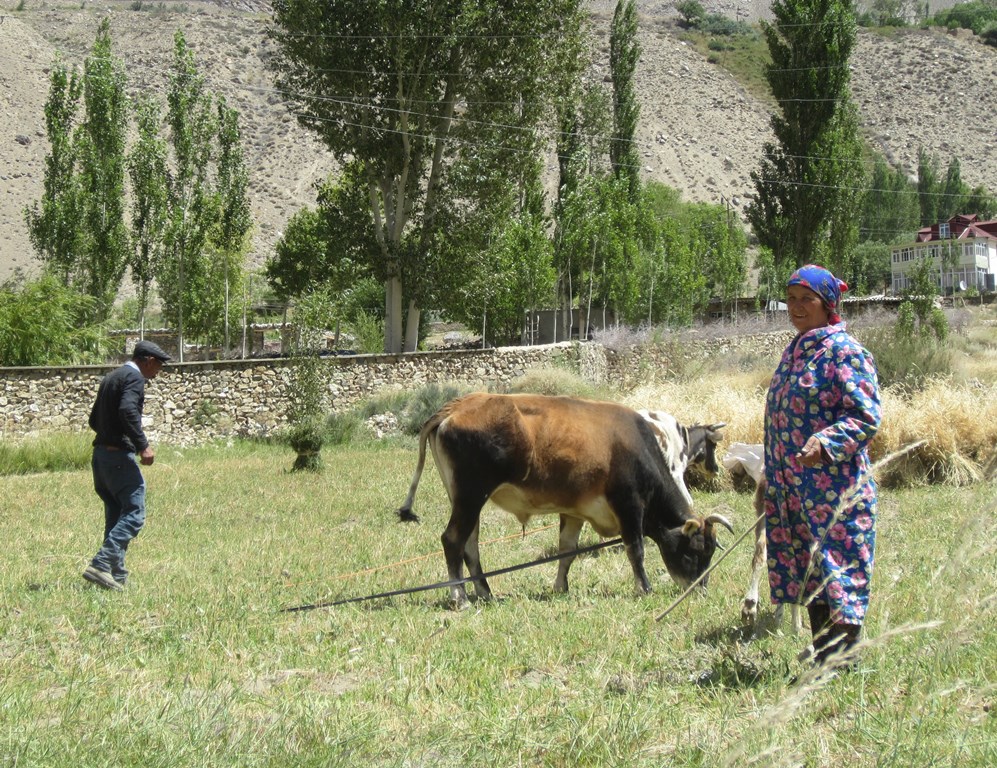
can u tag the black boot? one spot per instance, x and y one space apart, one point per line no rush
820 626
840 638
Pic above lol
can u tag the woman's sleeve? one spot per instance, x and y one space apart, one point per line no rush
859 411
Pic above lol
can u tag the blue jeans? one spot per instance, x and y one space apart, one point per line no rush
120 485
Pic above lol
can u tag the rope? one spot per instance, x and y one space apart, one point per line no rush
709 570
376 568
454 582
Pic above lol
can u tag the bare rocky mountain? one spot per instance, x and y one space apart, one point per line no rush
700 131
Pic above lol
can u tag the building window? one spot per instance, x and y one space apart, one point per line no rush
943 230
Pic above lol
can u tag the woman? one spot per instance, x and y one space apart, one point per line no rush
821 412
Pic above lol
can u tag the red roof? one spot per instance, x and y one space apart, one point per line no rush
961 228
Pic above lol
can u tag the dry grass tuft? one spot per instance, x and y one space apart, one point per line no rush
958 423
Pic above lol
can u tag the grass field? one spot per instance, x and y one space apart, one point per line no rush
196 665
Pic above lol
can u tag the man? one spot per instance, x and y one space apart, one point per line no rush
116 417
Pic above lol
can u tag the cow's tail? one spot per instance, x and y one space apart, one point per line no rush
405 513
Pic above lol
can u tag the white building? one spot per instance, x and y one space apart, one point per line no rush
963 252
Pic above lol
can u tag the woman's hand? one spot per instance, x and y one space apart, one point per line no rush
812 454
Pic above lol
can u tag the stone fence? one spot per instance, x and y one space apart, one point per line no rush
197 402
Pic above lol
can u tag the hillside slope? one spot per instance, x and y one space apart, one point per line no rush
700 131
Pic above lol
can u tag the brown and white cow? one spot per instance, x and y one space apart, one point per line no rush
617 469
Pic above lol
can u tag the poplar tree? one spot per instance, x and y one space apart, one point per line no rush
624 53
807 190
79 226
104 249
55 221
183 273
147 170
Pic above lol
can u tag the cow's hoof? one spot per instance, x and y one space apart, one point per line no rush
749 614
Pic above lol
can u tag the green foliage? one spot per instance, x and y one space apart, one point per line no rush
105 249
890 208
805 207
207 221
723 26
556 381
307 436
919 317
54 452
44 322
342 428
695 251
624 53
424 402
691 11
55 222
893 13
367 329
147 171
79 229
512 276
979 16
428 167
869 269
941 198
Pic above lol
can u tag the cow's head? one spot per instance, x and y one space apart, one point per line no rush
688 549
701 443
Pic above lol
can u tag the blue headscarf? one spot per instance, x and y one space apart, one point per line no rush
824 284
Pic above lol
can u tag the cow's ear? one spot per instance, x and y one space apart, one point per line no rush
691 527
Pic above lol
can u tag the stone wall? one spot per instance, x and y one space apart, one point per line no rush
192 403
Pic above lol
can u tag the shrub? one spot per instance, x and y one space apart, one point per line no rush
978 16
424 403
306 437
907 362
42 322
691 11
555 381
343 428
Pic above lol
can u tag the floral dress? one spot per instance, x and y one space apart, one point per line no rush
821 521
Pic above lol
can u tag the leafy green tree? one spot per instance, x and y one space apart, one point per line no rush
918 316
722 246
682 288
104 250
692 12
55 225
890 210
44 322
805 207
148 173
231 233
981 201
870 268
394 111
582 149
624 53
928 188
329 247
79 229
953 191
206 221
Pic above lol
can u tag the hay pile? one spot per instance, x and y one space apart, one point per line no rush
958 423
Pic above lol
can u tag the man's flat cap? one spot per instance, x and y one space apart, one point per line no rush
148 349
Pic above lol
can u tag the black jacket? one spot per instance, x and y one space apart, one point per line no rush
116 416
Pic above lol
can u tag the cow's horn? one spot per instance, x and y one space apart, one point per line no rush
718 425
713 519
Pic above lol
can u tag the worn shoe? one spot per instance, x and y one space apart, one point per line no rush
101 578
